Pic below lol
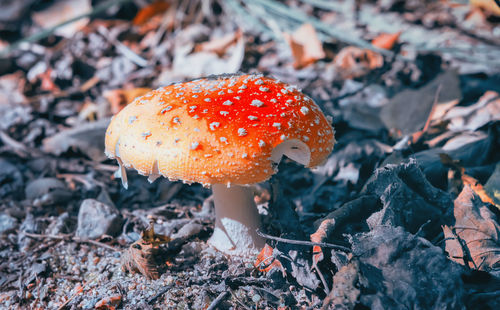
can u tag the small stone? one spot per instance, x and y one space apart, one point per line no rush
7 223
96 219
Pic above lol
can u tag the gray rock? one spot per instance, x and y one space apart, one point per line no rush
7 223
96 219
40 187
190 229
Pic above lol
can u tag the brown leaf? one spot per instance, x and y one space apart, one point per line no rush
386 40
474 116
474 239
147 12
478 189
352 62
119 98
142 255
488 5
305 45
219 46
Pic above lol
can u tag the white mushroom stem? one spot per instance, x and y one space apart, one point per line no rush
236 221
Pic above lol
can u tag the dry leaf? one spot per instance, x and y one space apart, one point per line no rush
474 239
147 12
47 82
119 98
478 189
109 303
386 40
472 117
305 45
142 255
61 11
409 110
88 138
219 46
266 261
353 62
488 5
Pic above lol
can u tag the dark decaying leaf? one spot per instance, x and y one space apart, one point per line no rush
408 200
474 238
409 110
384 277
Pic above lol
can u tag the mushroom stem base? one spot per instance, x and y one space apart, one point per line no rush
237 221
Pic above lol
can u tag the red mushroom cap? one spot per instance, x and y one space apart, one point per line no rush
219 130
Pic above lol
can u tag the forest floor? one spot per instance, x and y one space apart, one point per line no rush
404 214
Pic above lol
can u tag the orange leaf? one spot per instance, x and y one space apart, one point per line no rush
478 189
147 12
265 260
354 62
119 98
109 303
305 45
487 5
386 40
47 83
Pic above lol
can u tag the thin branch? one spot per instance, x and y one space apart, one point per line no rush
218 300
71 238
305 243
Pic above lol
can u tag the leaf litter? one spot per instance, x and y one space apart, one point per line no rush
403 214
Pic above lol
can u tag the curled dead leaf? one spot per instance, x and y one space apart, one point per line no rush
353 62
143 255
305 45
474 239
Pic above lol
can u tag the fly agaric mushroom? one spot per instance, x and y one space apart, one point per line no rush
227 131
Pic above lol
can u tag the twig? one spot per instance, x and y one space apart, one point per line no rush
163 291
238 300
305 243
71 238
322 278
16 145
217 300
47 32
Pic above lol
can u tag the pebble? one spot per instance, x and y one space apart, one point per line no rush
96 219
7 223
